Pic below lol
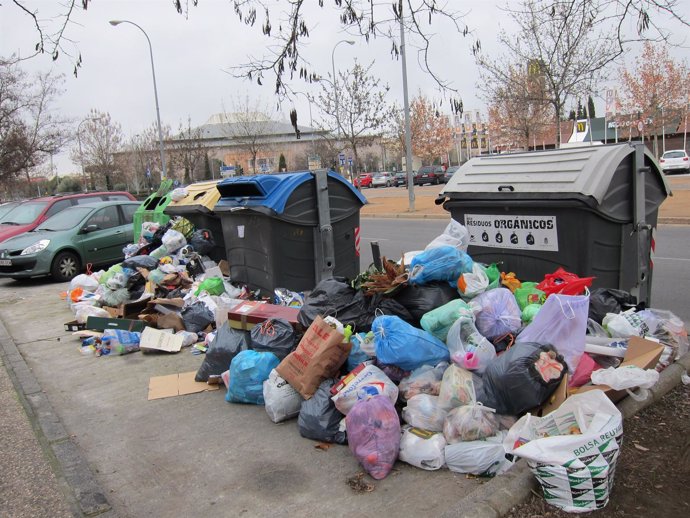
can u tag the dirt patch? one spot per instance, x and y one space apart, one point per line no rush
653 471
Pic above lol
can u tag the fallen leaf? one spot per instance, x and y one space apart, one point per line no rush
323 446
357 483
639 447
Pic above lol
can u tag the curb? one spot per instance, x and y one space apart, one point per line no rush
68 462
498 496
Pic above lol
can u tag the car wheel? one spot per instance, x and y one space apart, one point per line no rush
66 266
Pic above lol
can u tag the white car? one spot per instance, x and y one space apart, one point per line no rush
675 161
383 180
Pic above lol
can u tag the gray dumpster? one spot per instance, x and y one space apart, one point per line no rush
289 230
591 210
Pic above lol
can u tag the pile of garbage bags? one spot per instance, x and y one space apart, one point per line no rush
167 281
436 369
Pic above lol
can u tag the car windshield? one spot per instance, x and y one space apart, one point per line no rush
68 218
674 154
4 209
24 213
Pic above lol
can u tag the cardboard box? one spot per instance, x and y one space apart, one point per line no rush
640 353
249 313
73 325
101 324
128 309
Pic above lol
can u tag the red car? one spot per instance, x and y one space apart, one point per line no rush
364 180
28 215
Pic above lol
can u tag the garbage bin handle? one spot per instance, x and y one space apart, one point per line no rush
502 188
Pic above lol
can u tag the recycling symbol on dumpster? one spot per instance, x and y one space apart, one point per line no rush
499 237
530 239
485 237
514 238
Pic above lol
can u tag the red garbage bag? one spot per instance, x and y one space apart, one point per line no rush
373 434
563 282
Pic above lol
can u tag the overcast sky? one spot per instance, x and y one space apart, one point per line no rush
193 55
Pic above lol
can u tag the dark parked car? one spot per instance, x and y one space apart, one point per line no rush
400 179
449 173
429 174
29 214
62 245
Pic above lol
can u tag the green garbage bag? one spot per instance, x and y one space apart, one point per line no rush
528 294
438 321
530 312
494 275
213 286
117 268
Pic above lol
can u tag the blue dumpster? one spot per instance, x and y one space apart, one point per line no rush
289 230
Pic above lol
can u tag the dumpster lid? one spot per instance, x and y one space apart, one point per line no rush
270 190
587 170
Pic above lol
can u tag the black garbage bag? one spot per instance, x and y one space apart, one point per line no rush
196 317
141 261
202 241
331 297
227 344
513 383
608 300
135 285
274 335
420 299
319 419
380 304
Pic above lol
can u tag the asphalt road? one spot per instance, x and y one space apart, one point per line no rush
670 281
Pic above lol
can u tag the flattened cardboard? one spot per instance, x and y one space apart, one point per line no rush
179 384
127 310
640 353
157 340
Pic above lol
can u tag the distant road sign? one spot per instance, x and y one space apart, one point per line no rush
227 170
349 160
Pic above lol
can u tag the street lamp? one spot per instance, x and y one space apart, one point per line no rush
155 93
311 121
335 81
81 153
408 131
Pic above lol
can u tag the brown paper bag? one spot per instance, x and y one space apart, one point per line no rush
319 355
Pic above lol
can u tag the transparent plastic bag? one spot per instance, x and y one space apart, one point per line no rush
455 234
474 283
457 388
173 241
470 423
626 378
423 380
468 348
424 411
282 401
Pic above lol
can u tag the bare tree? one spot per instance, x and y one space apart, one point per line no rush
655 89
101 138
248 126
518 111
363 111
287 26
29 130
188 150
563 44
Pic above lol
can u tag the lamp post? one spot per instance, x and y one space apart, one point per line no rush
155 93
335 81
408 131
311 121
81 153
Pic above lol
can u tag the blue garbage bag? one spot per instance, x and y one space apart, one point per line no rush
398 343
444 263
248 371
357 355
